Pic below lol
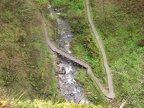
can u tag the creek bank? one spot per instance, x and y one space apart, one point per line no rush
67 84
66 70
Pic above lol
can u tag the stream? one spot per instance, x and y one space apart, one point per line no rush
69 88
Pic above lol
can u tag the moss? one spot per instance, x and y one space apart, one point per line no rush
26 64
120 26
49 104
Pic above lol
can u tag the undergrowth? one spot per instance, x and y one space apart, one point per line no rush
120 25
26 64
43 104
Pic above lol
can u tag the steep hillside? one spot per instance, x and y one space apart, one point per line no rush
121 26
26 66
84 46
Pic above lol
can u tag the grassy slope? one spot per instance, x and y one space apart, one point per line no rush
122 32
26 66
120 25
24 56
44 104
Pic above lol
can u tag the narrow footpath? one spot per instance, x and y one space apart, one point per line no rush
72 58
109 76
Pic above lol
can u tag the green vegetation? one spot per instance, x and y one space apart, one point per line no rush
26 66
44 104
84 46
49 104
120 24
90 87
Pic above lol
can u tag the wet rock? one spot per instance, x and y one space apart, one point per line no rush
62 71
71 94
66 71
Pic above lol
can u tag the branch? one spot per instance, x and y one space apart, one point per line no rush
123 104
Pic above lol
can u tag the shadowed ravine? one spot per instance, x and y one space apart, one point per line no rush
109 94
66 71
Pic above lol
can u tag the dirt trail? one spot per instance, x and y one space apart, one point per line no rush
110 83
71 57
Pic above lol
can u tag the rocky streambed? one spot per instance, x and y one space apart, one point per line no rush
67 84
66 70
